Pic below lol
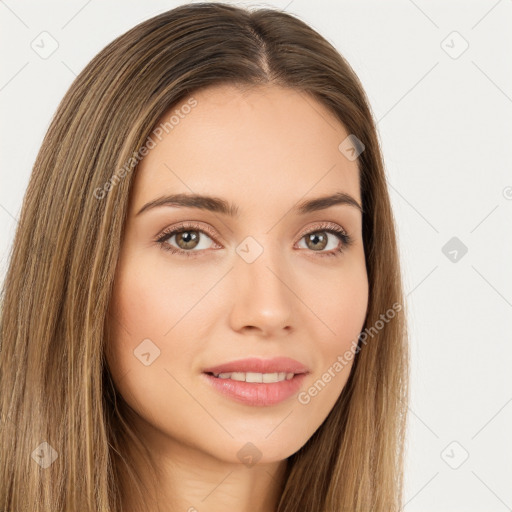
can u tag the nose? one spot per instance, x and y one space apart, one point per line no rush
263 296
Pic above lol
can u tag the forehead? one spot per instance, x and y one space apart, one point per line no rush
265 141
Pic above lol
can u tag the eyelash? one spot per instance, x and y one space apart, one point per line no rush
328 227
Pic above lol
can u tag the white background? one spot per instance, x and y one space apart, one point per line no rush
445 124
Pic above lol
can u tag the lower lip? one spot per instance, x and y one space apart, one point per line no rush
257 393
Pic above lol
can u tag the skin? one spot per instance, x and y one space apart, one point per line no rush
265 149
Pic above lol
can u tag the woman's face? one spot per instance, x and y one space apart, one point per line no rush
251 276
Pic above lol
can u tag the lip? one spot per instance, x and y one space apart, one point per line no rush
258 393
252 364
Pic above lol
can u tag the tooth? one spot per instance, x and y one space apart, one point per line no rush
253 377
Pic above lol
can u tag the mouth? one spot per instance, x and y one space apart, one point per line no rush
254 366
257 382
254 377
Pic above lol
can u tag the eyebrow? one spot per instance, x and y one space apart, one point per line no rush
219 205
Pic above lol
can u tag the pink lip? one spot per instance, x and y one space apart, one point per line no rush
258 393
252 364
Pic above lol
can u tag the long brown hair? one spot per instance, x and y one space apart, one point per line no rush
54 381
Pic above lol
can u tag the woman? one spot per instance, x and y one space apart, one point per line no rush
203 308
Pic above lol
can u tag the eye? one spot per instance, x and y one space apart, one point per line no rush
318 239
187 237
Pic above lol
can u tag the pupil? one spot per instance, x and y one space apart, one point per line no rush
317 241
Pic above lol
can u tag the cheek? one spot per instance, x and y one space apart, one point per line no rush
156 309
140 314
340 304
347 316
147 349
150 299
339 301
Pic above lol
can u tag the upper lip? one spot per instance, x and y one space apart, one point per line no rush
252 364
